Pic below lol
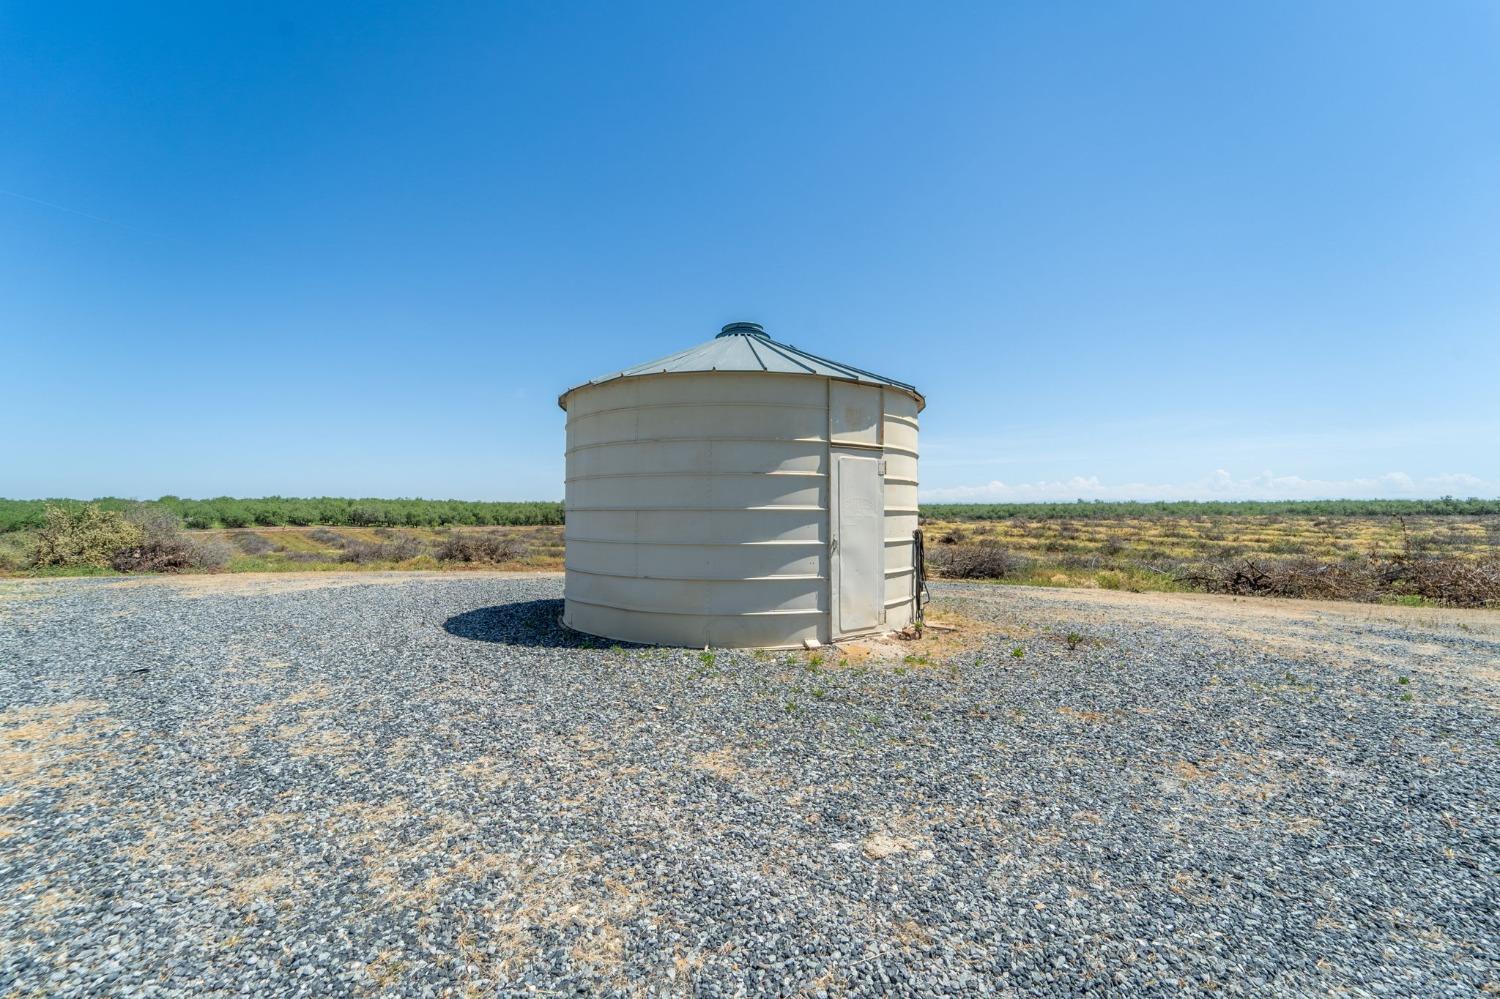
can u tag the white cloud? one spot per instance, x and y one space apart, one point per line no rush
1220 485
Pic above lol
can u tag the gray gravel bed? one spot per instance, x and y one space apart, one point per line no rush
423 785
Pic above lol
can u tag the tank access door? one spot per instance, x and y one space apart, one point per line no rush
856 546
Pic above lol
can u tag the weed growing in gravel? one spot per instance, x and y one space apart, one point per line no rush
1074 639
386 969
1404 680
1017 652
1288 681
1299 684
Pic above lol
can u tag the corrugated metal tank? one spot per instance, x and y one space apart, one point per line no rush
740 494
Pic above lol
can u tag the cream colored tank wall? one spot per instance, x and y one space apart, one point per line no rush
697 508
899 443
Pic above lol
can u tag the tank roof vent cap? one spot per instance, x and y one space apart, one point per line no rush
743 329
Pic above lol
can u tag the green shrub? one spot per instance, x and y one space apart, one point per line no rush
369 515
268 516
86 536
226 511
15 552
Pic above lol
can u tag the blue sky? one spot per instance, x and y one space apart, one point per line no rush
1155 250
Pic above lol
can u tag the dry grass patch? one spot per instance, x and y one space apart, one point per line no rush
259 830
310 742
722 763
910 934
1187 771
571 894
265 886
944 637
54 746
311 731
899 834
492 771
880 845
387 969
1446 558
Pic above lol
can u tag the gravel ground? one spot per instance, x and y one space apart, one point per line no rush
422 785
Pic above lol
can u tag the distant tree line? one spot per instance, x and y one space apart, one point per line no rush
336 511
1111 509
289 511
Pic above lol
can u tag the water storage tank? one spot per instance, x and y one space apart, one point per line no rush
741 493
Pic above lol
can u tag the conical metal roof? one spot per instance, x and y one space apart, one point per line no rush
746 347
